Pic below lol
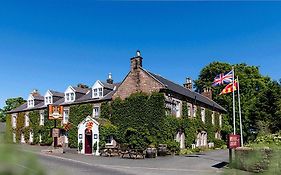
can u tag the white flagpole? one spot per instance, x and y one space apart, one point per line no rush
240 118
233 96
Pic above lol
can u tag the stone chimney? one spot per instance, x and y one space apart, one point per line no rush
35 92
109 80
136 62
188 83
207 92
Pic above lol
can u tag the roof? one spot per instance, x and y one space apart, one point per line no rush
80 90
24 107
38 97
57 94
185 92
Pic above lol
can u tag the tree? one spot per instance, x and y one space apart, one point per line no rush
252 85
11 103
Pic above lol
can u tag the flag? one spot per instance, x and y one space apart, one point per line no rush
229 88
223 78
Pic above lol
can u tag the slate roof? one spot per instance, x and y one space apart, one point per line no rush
57 94
38 97
110 86
185 92
24 107
81 90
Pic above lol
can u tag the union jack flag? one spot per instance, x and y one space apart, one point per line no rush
225 78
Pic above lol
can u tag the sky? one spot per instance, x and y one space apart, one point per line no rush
53 44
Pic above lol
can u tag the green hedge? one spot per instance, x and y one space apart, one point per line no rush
9 129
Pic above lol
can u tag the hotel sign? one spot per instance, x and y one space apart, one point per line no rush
233 141
55 112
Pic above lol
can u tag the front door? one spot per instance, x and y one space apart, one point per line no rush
88 141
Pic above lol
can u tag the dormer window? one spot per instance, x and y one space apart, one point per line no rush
69 97
97 92
30 103
48 100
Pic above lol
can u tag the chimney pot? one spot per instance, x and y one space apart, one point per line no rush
188 83
136 62
109 80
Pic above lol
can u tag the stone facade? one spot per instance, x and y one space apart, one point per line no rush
137 80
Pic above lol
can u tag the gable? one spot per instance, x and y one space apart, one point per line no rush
87 119
137 81
69 90
48 93
97 84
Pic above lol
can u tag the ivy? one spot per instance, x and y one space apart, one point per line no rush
45 130
77 114
209 126
20 126
9 129
184 109
106 129
105 110
190 129
217 121
34 118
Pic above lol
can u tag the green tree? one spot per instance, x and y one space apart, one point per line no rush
11 103
252 84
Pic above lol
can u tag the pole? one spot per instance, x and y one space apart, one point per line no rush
240 118
233 96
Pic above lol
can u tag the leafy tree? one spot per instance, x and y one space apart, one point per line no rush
11 103
252 85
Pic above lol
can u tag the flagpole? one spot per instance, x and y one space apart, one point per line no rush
240 118
233 97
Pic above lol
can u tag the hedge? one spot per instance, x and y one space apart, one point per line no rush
9 129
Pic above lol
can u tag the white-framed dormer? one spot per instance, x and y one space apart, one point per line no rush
69 94
48 98
97 90
41 120
30 101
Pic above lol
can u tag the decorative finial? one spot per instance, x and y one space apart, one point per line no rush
138 53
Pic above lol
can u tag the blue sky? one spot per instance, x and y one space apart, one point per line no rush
53 44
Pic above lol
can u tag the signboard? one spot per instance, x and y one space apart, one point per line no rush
55 112
233 141
55 132
90 125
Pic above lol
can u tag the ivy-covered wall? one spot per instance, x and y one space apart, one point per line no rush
19 126
76 115
45 130
9 129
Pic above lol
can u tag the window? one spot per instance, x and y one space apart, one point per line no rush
189 109
96 112
26 120
42 118
50 100
194 111
30 103
65 115
109 140
203 114
72 96
67 97
95 92
100 92
213 117
14 122
46 100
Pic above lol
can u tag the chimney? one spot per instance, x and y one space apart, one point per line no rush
109 80
207 92
188 83
35 92
136 62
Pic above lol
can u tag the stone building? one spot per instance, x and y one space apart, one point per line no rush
138 79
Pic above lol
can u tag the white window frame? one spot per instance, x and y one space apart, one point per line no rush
100 92
14 120
42 115
203 112
96 114
111 140
65 117
26 119
213 117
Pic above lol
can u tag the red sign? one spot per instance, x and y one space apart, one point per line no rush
89 125
233 141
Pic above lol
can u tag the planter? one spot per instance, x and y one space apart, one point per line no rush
151 152
162 150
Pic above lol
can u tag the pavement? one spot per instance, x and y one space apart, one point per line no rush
207 163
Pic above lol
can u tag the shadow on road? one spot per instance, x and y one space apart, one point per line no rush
220 165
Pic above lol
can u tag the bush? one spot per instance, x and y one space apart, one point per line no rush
219 143
173 146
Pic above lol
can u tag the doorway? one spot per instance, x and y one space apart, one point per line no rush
88 141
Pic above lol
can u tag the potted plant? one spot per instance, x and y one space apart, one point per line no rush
95 147
151 151
80 145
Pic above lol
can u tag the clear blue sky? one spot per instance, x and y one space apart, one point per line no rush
53 44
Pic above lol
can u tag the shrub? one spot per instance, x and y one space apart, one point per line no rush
218 143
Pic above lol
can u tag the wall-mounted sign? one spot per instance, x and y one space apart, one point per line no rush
90 125
55 112
233 141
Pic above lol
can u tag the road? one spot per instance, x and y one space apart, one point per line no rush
197 164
